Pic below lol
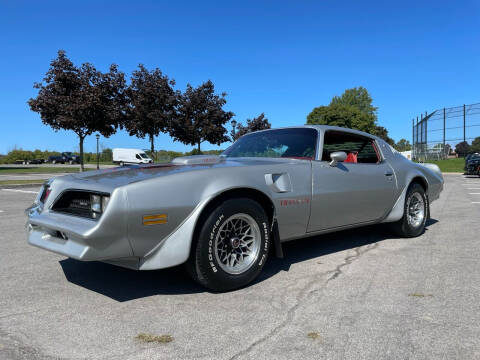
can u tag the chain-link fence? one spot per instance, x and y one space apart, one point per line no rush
436 134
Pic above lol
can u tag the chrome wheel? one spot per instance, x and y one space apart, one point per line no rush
237 244
415 210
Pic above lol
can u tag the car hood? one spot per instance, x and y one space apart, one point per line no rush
111 178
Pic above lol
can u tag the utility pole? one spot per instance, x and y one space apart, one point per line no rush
416 135
98 160
426 130
421 127
444 124
464 122
444 118
413 138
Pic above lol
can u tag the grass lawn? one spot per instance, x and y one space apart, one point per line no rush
37 170
449 165
17 182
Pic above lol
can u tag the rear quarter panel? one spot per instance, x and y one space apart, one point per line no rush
405 172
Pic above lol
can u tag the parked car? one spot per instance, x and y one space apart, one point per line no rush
65 157
221 214
472 164
130 156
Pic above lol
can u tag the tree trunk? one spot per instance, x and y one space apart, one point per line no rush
152 147
81 152
199 146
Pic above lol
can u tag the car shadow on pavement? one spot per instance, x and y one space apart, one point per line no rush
123 284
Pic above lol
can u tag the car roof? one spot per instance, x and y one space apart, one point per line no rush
322 128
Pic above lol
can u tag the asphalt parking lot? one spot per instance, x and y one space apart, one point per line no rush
359 294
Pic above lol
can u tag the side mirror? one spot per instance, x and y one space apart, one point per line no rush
337 156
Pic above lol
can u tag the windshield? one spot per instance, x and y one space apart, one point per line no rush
281 143
143 155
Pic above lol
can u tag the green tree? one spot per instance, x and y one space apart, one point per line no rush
201 117
257 123
151 104
462 149
359 98
353 109
476 145
342 115
403 145
81 99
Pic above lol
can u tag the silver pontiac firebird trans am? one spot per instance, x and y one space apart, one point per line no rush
222 215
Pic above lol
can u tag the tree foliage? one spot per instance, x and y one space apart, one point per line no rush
462 148
151 104
105 155
359 98
353 109
341 115
475 145
81 99
257 123
200 116
403 145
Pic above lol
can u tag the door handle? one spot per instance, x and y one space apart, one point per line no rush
388 173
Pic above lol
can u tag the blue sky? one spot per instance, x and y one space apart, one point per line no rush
278 57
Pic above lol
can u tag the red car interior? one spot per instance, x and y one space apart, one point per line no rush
351 157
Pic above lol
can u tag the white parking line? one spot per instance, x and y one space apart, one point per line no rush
473 188
1 211
21 191
473 193
475 202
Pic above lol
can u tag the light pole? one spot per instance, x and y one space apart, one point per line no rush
234 125
98 163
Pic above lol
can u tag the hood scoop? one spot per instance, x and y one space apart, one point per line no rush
198 160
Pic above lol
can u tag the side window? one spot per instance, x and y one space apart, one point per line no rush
138 157
359 149
368 154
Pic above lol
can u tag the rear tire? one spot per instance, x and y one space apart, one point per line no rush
54 162
232 246
415 213
121 163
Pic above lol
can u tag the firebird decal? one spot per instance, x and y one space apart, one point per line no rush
288 202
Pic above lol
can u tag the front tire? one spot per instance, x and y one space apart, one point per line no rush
232 246
121 163
415 213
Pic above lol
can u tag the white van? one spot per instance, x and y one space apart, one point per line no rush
130 156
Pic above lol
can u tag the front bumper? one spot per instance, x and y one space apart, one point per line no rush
78 238
473 169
